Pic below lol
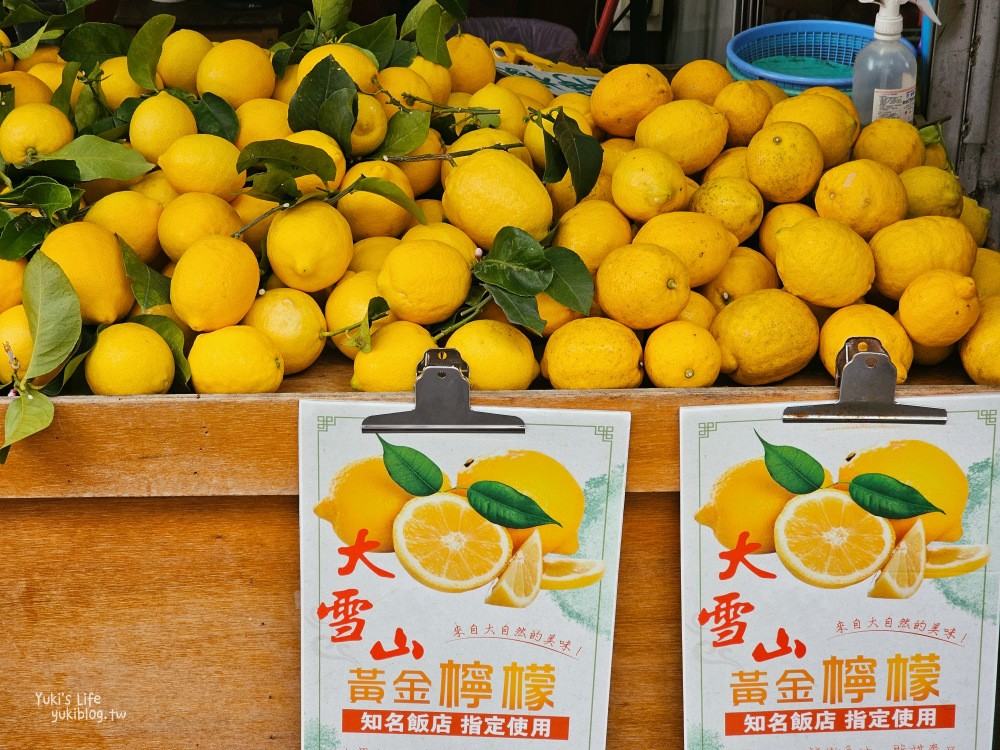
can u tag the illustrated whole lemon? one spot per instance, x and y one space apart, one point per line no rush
929 470
544 480
362 495
129 359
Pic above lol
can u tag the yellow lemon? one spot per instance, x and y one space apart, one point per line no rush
700 240
358 65
591 353
779 217
362 496
647 183
156 186
863 194
129 359
309 246
51 73
626 94
11 277
908 248
733 201
680 354
730 163
310 183
980 348
404 86
15 332
986 272
832 125
294 322
203 163
865 320
437 77
424 281
249 210
784 161
939 307
701 80
370 253
560 573
214 283
838 96
642 285
746 271
478 139
286 86
521 580
235 359
133 217
472 65
446 233
157 122
698 310
91 258
180 57
371 215
691 132
33 130
192 216
27 88
927 469
43 53
526 86
593 229
895 143
512 111
371 126
498 354
424 175
491 190
976 219
262 120
931 192
935 155
391 364
534 141
948 560
765 336
775 92
347 305
117 83
544 480
745 106
555 314
237 71
824 262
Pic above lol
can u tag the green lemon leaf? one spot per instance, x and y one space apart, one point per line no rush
29 413
377 308
128 107
21 235
29 45
92 43
411 469
149 287
458 9
555 162
172 334
431 28
403 53
406 131
294 158
571 285
389 191
88 110
886 496
337 116
409 28
215 116
281 59
53 311
379 38
275 184
320 84
88 157
50 197
144 51
583 154
516 263
501 504
521 311
62 96
792 468
330 14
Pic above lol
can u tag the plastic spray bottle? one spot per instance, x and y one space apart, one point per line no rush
885 71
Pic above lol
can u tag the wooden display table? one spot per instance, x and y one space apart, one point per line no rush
150 557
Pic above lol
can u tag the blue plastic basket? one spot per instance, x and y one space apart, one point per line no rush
807 45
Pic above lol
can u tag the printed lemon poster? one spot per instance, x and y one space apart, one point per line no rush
841 581
458 589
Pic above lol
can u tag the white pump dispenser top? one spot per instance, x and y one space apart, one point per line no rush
889 22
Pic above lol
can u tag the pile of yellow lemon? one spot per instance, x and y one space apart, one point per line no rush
732 229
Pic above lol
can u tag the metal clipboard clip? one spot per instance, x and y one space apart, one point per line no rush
442 402
867 380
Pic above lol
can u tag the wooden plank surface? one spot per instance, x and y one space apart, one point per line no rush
183 613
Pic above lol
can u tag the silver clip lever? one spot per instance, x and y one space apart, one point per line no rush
442 402
867 379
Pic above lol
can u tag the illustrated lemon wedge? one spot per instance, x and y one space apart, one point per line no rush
947 560
521 580
446 545
560 572
826 539
904 572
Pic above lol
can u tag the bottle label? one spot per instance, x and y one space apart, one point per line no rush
894 103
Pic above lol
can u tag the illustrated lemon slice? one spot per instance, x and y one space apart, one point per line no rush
903 574
827 540
522 578
560 572
947 560
446 545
